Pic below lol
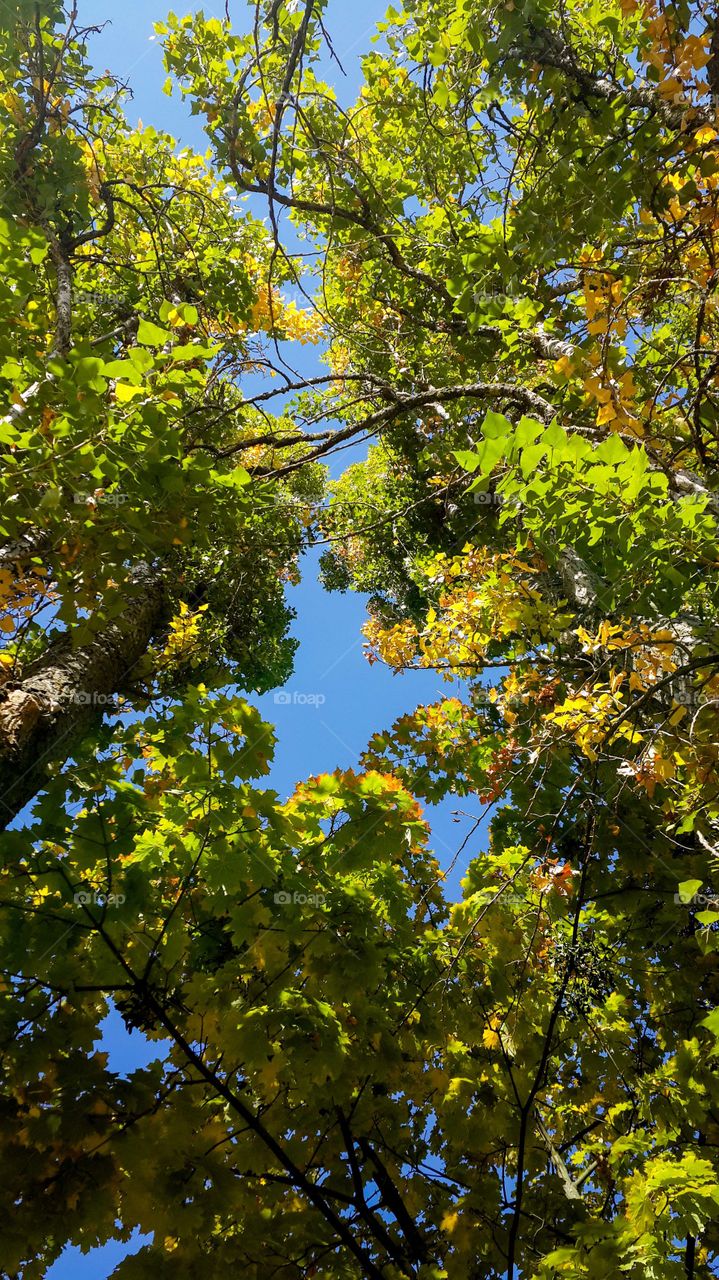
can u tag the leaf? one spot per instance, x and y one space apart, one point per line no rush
495 426
530 458
238 478
125 391
688 889
151 335
612 450
711 1022
468 460
555 437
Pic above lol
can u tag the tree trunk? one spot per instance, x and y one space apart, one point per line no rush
29 544
65 693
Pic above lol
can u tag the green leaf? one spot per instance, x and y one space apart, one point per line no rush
151 335
495 426
688 889
467 459
238 478
530 458
555 437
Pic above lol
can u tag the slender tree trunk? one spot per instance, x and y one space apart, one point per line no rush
65 693
713 63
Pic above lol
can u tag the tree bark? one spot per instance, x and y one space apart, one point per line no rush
29 544
66 692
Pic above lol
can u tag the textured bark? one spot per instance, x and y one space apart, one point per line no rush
29 544
583 588
66 692
551 50
63 295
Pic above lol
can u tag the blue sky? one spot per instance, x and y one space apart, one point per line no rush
314 736
358 699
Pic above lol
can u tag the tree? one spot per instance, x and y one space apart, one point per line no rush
131 550
516 227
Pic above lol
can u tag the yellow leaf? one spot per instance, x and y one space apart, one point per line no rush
670 88
124 391
606 413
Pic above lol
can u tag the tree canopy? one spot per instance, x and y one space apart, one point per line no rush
505 255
